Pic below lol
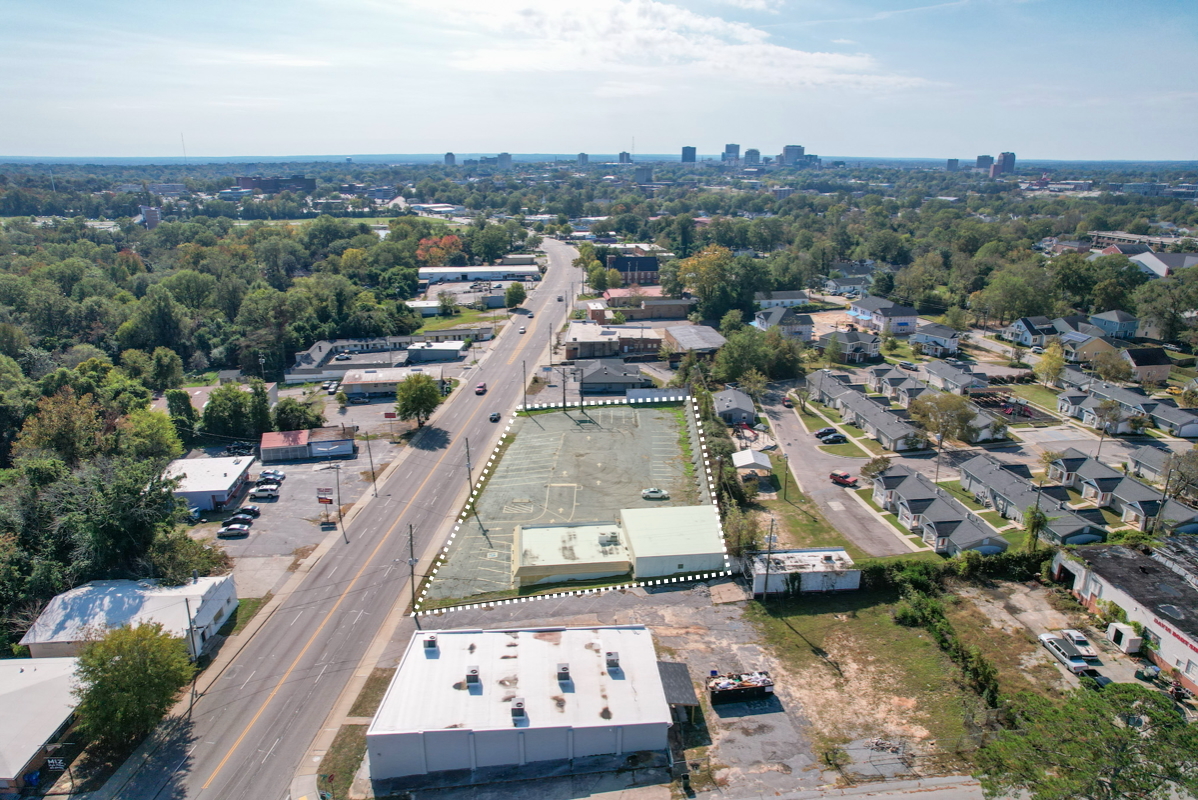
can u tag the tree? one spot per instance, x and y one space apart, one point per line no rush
832 350
166 370
258 419
342 400
945 416
446 304
732 322
753 383
1017 349
1189 397
1108 413
1112 367
1181 470
1125 741
875 467
66 426
514 295
128 680
182 413
148 435
1051 364
618 318
1035 522
890 342
292 415
956 318
417 397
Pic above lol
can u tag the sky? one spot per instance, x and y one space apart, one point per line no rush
1046 79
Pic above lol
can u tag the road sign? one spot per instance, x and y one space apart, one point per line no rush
324 491
325 500
388 415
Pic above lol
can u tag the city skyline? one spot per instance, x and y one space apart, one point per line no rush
877 78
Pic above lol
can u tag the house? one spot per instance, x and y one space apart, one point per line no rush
782 299
1149 462
209 483
955 380
1083 348
610 375
37 706
796 326
1008 489
1148 364
1030 331
1161 265
698 339
336 441
1116 324
891 429
935 515
1156 592
936 340
1082 402
855 346
734 407
852 284
194 611
1137 504
884 316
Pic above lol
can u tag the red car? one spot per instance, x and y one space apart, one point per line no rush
786 403
842 478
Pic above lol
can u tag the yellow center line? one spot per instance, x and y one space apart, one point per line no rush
325 621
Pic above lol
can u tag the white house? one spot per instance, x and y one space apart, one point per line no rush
937 340
884 316
781 299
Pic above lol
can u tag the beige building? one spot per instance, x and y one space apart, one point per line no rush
384 380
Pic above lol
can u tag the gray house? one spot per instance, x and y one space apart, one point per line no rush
955 380
1117 324
1149 462
610 375
937 340
891 429
935 515
1137 504
734 407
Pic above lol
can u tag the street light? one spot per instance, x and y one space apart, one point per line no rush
262 366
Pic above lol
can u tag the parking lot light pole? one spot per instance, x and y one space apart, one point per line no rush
785 475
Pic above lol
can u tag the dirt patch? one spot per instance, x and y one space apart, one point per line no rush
299 554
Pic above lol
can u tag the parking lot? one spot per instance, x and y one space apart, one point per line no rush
573 466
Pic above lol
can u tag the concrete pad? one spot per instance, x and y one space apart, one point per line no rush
728 592
255 576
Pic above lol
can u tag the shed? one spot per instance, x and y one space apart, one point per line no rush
751 459
210 483
36 705
815 569
680 690
283 446
734 406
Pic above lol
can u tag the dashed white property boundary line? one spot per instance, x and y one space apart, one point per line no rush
440 558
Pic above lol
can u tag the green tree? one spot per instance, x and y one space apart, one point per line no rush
137 364
166 370
1035 522
1189 397
128 680
945 416
754 384
732 322
182 413
1051 364
618 318
226 412
446 304
515 294
417 397
1113 367
1124 742
833 351
148 435
875 467
956 318
66 426
744 350
292 415
258 419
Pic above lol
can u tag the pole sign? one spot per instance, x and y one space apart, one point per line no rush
388 415
328 501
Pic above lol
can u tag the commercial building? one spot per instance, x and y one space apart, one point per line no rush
331 442
792 154
210 483
193 612
625 157
610 376
984 163
436 351
817 569
151 216
1006 162
643 174
37 703
583 159
504 160
688 155
274 185
375 382
952 165
591 340
752 157
472 699
450 159
700 339
731 152
640 270
497 272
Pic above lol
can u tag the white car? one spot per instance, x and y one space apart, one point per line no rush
1080 643
655 494
522 330
1063 651
236 529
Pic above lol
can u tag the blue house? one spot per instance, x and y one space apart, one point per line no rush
1117 324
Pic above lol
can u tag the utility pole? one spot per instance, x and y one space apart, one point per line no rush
469 469
412 570
524 389
373 477
785 475
340 520
191 640
769 546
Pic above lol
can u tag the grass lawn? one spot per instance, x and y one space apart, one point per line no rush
241 616
372 693
1156 434
965 497
853 430
872 446
848 449
1016 537
1035 393
466 316
830 413
903 353
867 495
203 379
343 759
994 518
811 422
850 643
1008 652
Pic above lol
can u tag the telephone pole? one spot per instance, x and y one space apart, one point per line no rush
412 561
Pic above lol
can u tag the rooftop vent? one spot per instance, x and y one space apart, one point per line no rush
613 659
829 559
563 672
472 677
430 642
518 708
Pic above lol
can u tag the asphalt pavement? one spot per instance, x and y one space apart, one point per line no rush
247 734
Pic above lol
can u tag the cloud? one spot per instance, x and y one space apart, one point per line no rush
254 58
617 89
756 5
843 41
643 39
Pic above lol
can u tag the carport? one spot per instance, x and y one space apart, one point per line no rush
284 446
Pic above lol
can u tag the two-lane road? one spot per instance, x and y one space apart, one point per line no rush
247 734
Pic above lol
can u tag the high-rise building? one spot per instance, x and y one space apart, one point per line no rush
1007 162
688 155
625 157
643 175
583 159
731 152
792 154
953 164
984 163
450 159
504 160
151 216
753 156
995 170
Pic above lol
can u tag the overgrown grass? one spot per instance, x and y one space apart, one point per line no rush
994 518
342 760
1008 652
372 693
465 316
1035 393
800 520
201 379
247 607
954 488
848 450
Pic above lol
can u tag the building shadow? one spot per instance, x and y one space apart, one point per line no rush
750 708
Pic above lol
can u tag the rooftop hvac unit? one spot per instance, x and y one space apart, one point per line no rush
472 676
613 660
563 672
518 708
829 559
430 642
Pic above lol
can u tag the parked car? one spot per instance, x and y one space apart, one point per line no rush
522 330
266 483
531 315
1038 350
907 365
342 357
240 519
787 403
277 474
822 432
834 438
231 531
253 511
1174 390
559 298
332 390
268 491
1094 680
1080 643
495 416
359 399
480 389
1063 651
954 362
655 494
842 478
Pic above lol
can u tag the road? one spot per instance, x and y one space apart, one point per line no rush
247 734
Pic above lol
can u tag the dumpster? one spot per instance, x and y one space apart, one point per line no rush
739 687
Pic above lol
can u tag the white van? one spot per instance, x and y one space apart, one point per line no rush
269 491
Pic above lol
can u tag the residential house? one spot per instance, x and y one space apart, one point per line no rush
855 346
609 375
935 515
1030 331
1082 348
937 340
955 380
1149 462
796 326
847 285
735 407
891 429
782 299
1137 504
1081 402
884 316
1148 364
1008 489
1117 324
1162 265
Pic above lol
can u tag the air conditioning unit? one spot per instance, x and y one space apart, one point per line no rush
518 708
472 676
613 660
430 642
563 673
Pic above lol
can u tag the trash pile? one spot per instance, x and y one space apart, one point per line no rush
741 680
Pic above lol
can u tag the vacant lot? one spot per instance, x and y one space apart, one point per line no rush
581 465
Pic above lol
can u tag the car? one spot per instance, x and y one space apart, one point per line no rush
907 365
834 438
359 399
230 531
342 357
266 485
327 384
522 330
268 491
1038 350
1080 643
842 478
332 390
1174 390
954 362
480 389
1094 680
240 519
272 473
822 432
531 315
559 298
495 417
787 403
253 511
1062 651
655 494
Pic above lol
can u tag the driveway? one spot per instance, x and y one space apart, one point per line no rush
810 467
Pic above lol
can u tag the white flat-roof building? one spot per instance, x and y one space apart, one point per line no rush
384 380
498 272
583 551
815 569
194 611
466 699
210 483
36 704
674 539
